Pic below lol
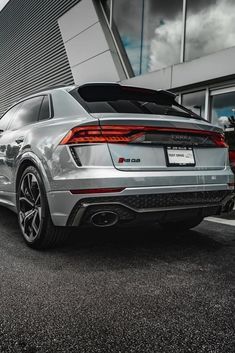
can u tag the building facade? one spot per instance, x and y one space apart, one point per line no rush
186 46
32 52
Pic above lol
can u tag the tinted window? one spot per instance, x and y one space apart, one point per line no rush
115 98
7 117
45 110
127 106
27 114
132 107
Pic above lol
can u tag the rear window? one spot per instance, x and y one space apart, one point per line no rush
136 102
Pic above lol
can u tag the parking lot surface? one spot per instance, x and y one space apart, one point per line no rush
106 291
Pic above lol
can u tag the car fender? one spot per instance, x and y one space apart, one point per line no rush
30 156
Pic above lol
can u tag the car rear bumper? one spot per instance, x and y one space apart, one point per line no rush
141 204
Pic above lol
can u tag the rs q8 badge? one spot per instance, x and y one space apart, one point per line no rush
128 160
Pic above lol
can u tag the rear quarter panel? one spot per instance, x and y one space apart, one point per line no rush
41 143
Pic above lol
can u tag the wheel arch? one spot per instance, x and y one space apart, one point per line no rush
31 160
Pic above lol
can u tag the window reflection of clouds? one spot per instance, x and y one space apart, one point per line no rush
128 19
210 26
165 45
163 29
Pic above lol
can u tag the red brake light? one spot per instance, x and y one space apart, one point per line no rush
96 191
129 133
218 139
108 133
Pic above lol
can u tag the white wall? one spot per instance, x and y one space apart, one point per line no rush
90 49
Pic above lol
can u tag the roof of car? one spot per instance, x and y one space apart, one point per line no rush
68 88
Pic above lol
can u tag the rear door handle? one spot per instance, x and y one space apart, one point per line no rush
19 140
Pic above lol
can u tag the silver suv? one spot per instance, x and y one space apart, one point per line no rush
104 154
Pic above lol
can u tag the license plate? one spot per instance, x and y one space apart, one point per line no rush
180 156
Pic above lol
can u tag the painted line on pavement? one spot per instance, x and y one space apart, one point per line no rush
229 222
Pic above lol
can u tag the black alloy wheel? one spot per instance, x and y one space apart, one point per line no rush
34 216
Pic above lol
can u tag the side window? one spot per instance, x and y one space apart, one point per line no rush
27 114
45 109
8 116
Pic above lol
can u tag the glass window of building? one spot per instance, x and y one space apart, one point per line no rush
195 101
210 26
162 31
106 5
222 105
150 32
127 16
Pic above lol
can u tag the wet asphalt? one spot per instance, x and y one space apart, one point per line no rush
108 291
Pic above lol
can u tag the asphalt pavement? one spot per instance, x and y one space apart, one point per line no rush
108 291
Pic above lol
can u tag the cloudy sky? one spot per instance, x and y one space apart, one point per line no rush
3 3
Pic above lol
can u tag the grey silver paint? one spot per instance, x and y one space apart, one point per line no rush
39 144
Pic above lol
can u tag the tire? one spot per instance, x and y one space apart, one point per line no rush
34 216
180 226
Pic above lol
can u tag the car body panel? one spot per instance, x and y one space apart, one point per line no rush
39 144
63 202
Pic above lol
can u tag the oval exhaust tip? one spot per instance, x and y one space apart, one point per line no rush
104 219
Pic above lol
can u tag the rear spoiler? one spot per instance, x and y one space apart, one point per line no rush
97 92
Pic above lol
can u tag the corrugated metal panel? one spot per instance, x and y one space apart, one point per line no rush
32 53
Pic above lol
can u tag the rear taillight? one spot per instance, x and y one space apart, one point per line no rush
232 158
108 133
218 139
130 133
